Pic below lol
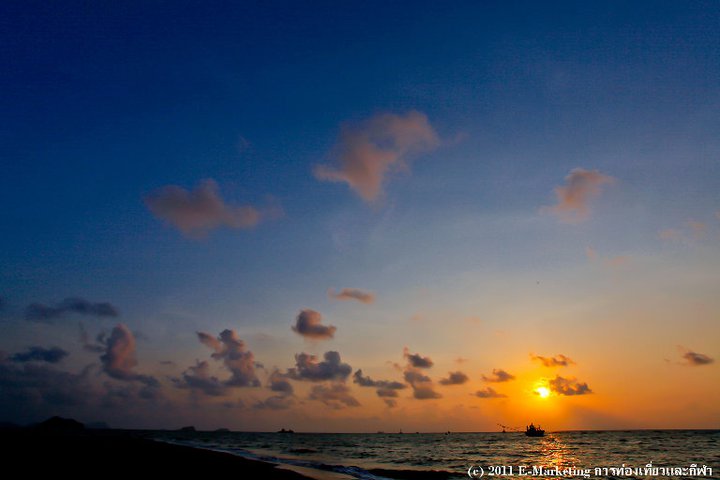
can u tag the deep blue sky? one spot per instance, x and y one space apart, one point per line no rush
103 103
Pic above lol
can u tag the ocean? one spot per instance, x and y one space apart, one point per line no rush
575 454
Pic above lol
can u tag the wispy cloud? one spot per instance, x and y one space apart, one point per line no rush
498 376
689 233
695 359
197 212
573 198
568 386
365 153
309 324
559 360
352 294
454 378
38 312
489 392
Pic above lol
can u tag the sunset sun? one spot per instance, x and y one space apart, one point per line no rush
543 392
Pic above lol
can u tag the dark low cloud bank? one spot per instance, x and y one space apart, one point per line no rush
38 312
40 354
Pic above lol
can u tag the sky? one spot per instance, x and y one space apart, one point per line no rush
360 217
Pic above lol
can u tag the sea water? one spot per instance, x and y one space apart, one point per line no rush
576 454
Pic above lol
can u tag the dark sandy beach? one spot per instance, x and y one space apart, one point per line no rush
90 454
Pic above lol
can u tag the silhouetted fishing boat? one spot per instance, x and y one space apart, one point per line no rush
533 431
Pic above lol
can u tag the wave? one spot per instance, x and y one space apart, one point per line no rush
353 471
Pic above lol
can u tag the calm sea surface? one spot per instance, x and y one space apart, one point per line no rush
438 456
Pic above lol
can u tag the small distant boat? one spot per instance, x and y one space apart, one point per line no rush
533 431
286 431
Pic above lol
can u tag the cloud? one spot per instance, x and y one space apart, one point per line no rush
697 359
498 375
336 396
352 294
37 312
40 354
391 403
308 368
278 383
421 384
568 386
87 345
416 360
671 234
691 232
229 348
454 378
197 212
198 379
574 197
385 388
309 324
556 361
275 402
119 360
365 153
489 392
39 389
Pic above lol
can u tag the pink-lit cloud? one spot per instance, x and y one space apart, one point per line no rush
197 212
229 348
573 198
365 153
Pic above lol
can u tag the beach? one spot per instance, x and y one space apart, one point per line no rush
90 454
